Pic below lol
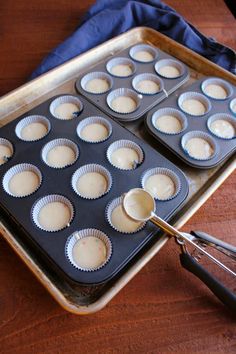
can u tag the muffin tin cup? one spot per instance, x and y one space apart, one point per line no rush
146 76
59 142
52 198
96 75
18 169
216 81
108 212
196 96
123 92
225 117
199 134
232 105
87 169
94 120
8 144
162 171
66 99
170 62
146 48
78 235
168 111
120 61
125 144
29 120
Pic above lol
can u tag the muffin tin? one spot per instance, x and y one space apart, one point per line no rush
56 185
128 84
197 126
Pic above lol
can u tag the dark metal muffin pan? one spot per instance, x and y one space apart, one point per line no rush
225 147
88 213
147 101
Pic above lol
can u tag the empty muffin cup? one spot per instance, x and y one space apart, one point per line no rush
88 249
91 181
6 150
52 213
199 145
143 53
169 68
162 183
119 220
222 125
123 100
96 82
60 153
169 121
121 67
147 84
94 129
66 107
194 103
32 128
216 88
22 180
232 106
125 155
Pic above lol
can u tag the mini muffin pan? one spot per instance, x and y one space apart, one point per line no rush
197 125
145 101
57 186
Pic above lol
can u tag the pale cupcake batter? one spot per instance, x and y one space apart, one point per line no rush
223 128
216 91
122 222
124 104
194 107
33 131
66 110
23 183
234 108
97 85
147 86
168 124
89 252
199 148
169 71
60 156
94 132
125 158
143 56
92 185
5 152
122 70
160 186
54 216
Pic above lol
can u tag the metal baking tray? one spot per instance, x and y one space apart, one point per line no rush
86 300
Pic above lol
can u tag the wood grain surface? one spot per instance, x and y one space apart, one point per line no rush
164 309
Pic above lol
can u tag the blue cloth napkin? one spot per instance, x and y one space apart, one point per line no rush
108 18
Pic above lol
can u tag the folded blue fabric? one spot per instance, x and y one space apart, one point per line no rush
108 18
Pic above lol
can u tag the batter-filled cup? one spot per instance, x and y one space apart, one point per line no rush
123 100
199 145
169 68
216 88
88 250
66 107
121 67
169 121
52 213
125 155
222 125
143 53
194 103
147 84
96 82
91 181
232 106
33 128
94 129
6 150
22 180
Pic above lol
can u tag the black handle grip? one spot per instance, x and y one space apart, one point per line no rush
223 294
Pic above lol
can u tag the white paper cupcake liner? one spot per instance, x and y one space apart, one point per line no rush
232 105
221 116
17 169
77 235
143 47
108 213
123 92
169 62
162 171
125 144
168 111
29 120
94 120
196 96
87 169
66 99
96 75
202 135
120 61
50 199
216 81
59 142
146 76
8 144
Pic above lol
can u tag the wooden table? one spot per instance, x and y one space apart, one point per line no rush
164 309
